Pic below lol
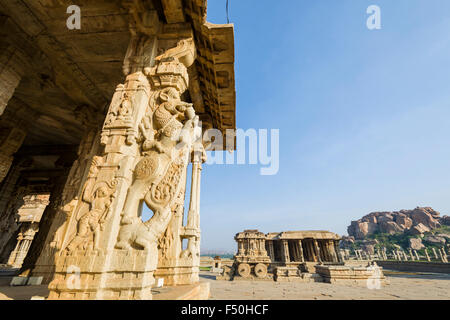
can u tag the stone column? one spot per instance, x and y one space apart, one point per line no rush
331 253
193 219
300 246
117 256
434 253
285 251
336 253
192 228
271 250
240 248
12 257
12 64
443 255
316 246
427 255
24 240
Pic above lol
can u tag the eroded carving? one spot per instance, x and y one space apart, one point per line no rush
98 196
167 137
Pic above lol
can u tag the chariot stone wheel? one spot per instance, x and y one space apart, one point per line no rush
244 270
261 270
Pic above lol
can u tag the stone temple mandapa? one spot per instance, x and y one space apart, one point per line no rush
295 256
105 120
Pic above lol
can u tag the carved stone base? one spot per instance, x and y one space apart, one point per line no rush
365 276
119 275
177 276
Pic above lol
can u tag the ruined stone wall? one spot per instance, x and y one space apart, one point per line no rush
415 266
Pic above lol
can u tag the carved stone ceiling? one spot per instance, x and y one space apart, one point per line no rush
71 68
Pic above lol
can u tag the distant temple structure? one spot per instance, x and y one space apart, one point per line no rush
260 254
295 256
294 247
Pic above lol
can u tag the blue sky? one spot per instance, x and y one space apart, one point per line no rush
364 116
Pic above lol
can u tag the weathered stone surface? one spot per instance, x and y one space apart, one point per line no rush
416 244
445 220
169 72
368 248
443 235
396 222
347 242
436 240
360 229
419 229
371 276
426 216
390 227
284 256
403 221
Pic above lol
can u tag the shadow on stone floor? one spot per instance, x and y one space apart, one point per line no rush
207 276
413 275
22 293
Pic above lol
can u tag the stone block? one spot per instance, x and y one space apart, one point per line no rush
34 281
18 281
216 270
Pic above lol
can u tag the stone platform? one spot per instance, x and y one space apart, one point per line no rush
416 266
200 291
352 275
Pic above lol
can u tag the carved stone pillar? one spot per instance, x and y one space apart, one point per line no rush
147 138
317 248
10 143
64 198
285 251
427 255
24 240
88 246
271 250
240 248
9 195
13 255
300 247
336 253
11 72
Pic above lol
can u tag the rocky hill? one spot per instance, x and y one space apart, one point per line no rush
415 222
404 228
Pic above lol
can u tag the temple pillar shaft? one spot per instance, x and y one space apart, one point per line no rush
192 219
285 251
271 250
316 246
143 159
300 246
12 257
334 251
240 248
106 189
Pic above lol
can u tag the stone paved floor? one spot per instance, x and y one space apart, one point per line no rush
401 287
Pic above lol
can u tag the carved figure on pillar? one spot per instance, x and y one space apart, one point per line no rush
99 197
